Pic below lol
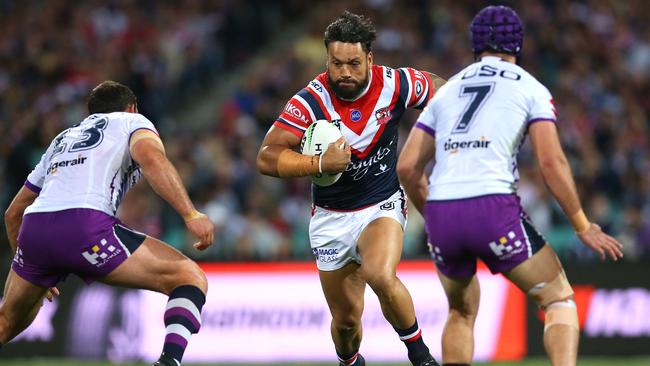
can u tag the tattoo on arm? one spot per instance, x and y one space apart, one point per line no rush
436 80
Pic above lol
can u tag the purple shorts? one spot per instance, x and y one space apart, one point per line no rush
86 242
493 228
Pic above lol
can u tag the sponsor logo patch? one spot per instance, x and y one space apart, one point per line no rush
355 115
295 112
100 253
18 258
325 255
54 167
506 246
454 146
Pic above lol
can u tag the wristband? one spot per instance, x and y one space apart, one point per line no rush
579 222
192 215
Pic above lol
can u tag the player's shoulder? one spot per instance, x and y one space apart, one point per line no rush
530 83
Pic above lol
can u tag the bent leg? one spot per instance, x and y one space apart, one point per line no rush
158 267
20 304
380 246
463 295
542 277
344 289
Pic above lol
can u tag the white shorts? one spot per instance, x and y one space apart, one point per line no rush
334 234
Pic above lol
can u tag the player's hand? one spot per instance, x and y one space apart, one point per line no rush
595 239
51 292
203 229
337 156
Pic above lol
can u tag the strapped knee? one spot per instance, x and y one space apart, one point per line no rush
546 293
555 299
561 312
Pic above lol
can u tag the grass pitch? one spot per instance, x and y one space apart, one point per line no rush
600 361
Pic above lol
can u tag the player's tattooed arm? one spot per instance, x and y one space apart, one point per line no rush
436 80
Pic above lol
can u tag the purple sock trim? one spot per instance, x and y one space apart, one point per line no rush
176 339
184 313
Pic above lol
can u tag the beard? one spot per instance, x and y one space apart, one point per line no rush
348 92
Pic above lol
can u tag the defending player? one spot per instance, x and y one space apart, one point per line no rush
69 203
357 224
474 126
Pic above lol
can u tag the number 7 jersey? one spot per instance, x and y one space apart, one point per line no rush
88 165
479 120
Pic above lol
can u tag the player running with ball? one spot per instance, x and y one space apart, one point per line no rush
359 220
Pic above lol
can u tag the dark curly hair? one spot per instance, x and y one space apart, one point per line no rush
351 28
110 96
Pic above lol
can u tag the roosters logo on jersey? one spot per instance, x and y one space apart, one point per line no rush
383 115
455 146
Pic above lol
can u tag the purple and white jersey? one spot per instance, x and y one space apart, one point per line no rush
88 165
479 120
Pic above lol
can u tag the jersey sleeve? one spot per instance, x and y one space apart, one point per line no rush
427 119
139 122
541 105
415 87
296 116
36 178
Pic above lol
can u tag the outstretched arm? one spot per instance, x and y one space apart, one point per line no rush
419 149
559 180
148 151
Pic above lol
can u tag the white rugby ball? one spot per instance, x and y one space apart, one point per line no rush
315 141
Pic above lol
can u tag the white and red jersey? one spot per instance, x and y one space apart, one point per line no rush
369 125
88 165
479 120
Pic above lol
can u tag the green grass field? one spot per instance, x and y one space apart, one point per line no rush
601 361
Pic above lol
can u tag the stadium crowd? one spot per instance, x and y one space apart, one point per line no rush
594 56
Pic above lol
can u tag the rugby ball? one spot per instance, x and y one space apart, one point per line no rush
315 141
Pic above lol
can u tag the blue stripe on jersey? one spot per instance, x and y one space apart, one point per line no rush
292 125
313 104
403 86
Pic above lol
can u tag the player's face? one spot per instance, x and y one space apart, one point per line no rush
348 69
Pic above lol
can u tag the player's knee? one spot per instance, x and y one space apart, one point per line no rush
346 325
556 299
563 312
189 273
463 312
381 282
7 323
197 278
547 293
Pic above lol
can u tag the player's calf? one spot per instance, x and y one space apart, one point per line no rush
182 319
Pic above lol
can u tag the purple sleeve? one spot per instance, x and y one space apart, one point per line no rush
426 129
530 122
32 187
